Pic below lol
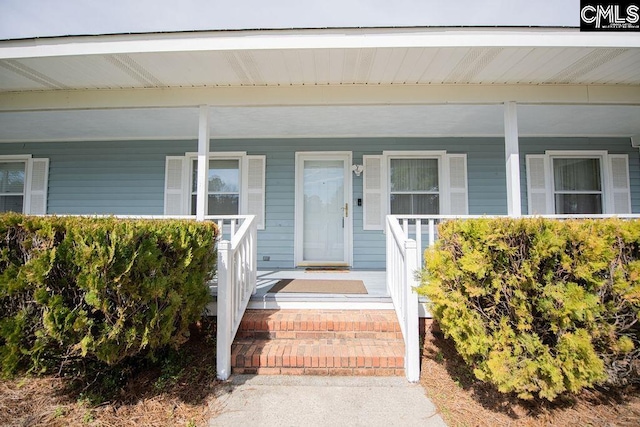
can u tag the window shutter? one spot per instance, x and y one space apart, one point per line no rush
255 188
538 185
620 188
457 197
175 186
38 183
374 197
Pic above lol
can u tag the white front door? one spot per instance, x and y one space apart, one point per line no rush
323 211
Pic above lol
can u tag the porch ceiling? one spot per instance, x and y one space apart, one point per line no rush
348 82
319 121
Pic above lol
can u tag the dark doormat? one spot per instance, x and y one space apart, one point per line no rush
312 286
326 270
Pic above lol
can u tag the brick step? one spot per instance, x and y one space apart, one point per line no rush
318 357
317 335
320 324
319 342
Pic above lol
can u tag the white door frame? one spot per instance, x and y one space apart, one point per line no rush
299 210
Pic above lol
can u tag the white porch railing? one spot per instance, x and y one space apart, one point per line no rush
237 278
407 237
402 266
422 228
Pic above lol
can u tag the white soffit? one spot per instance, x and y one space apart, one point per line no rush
319 121
331 57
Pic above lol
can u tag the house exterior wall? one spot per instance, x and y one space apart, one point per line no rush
127 177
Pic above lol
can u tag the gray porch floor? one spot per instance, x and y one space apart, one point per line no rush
374 281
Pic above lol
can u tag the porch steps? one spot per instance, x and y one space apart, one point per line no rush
319 342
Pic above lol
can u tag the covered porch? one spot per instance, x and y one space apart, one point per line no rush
130 125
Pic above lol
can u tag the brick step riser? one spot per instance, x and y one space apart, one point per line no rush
262 361
381 372
303 335
319 327
319 357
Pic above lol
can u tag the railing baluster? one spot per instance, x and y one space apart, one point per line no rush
432 232
419 241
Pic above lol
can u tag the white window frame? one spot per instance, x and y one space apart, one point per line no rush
430 155
24 159
600 155
616 189
239 156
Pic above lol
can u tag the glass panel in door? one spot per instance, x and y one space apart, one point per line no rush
323 211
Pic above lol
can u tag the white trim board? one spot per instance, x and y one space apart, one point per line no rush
356 94
310 39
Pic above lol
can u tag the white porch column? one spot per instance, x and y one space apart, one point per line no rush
512 156
203 163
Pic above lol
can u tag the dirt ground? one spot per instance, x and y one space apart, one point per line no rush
176 392
180 392
465 401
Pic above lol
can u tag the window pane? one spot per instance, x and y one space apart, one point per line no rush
226 204
219 204
576 174
12 177
224 176
414 175
401 204
578 204
415 204
424 204
11 203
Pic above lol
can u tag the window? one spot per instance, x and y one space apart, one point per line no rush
23 184
413 183
236 185
12 185
224 187
414 186
578 183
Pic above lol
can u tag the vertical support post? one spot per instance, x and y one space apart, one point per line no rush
223 336
512 156
412 335
254 256
203 163
389 257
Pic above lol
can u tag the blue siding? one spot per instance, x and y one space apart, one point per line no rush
121 178
127 177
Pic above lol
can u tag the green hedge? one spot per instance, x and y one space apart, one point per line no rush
101 289
539 307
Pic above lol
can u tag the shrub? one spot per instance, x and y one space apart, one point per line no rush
539 307
101 289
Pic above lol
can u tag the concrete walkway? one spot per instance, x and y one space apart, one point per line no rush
264 400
